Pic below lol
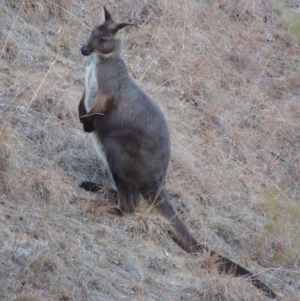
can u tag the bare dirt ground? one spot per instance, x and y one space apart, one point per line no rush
226 75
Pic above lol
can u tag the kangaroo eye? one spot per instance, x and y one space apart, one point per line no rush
103 39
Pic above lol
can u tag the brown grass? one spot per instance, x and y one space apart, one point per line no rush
226 75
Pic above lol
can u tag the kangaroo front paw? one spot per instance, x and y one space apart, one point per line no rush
88 127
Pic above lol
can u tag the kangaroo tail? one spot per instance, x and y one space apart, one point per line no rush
225 264
190 245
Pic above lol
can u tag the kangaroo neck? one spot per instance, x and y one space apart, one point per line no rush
99 58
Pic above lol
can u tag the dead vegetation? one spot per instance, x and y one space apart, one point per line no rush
226 74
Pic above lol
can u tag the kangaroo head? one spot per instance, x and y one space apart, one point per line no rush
104 38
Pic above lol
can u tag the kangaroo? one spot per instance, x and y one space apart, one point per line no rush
130 132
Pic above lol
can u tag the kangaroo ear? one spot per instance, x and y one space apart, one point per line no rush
105 16
121 28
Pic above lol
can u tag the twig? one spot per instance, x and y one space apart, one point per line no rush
71 14
38 89
149 66
11 28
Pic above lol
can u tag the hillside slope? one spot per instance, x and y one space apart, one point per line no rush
226 75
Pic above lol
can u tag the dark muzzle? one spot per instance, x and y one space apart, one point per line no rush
85 50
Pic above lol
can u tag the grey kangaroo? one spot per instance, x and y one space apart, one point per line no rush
131 134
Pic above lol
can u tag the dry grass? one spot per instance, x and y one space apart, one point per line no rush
226 75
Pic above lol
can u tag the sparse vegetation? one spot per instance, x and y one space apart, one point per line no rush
226 75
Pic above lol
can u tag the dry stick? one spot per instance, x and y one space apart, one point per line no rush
67 11
52 124
11 28
37 157
88 15
23 89
268 59
168 80
34 96
16 128
36 92
184 25
63 121
25 120
38 89
15 248
149 66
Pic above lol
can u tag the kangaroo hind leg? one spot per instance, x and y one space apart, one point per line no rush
125 196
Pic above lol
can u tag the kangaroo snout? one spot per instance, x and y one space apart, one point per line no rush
85 50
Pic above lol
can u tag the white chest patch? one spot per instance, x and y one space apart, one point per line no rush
91 96
91 83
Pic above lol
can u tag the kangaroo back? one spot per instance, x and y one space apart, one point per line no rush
132 132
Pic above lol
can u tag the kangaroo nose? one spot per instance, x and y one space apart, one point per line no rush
85 50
